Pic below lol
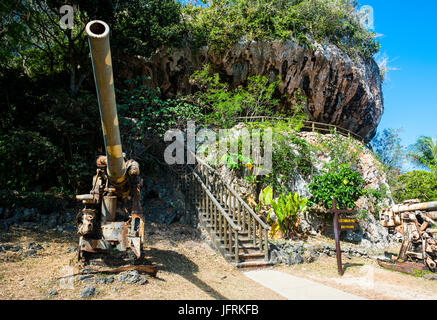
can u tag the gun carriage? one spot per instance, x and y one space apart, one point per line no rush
417 223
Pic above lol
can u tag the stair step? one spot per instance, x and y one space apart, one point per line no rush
249 255
245 241
242 250
244 257
243 237
203 213
245 246
241 233
252 264
206 218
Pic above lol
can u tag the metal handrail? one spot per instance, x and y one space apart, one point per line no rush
240 217
234 193
308 124
216 203
222 212
246 218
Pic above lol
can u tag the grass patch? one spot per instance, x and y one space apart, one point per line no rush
421 273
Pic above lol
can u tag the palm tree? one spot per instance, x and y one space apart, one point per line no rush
424 152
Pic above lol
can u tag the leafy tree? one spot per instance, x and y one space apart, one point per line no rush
48 96
223 103
388 148
222 23
291 155
420 185
142 26
33 39
22 164
424 152
145 114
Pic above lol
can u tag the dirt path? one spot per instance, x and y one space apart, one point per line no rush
187 269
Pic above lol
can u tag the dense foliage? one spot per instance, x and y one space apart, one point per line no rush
46 140
341 150
340 183
416 184
291 156
142 26
223 104
286 208
43 202
424 152
143 111
388 149
50 129
420 185
222 23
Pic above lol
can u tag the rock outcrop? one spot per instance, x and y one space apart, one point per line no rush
340 90
370 233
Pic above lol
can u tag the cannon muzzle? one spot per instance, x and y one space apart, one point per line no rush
98 39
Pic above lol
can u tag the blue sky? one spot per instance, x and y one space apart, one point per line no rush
410 41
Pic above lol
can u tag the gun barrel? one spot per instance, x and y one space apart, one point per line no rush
425 206
98 39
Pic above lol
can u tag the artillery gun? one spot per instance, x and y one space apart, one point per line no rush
417 223
112 219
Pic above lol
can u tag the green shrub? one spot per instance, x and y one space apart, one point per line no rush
342 150
286 209
234 161
27 158
265 197
290 156
222 23
44 202
142 26
420 185
152 114
340 183
222 103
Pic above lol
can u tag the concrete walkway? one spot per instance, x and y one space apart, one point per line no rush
294 288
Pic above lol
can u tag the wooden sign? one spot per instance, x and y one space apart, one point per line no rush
347 224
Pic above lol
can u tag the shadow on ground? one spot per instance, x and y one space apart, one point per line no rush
165 260
351 265
174 262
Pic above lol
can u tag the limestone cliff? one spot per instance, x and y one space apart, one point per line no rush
340 90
